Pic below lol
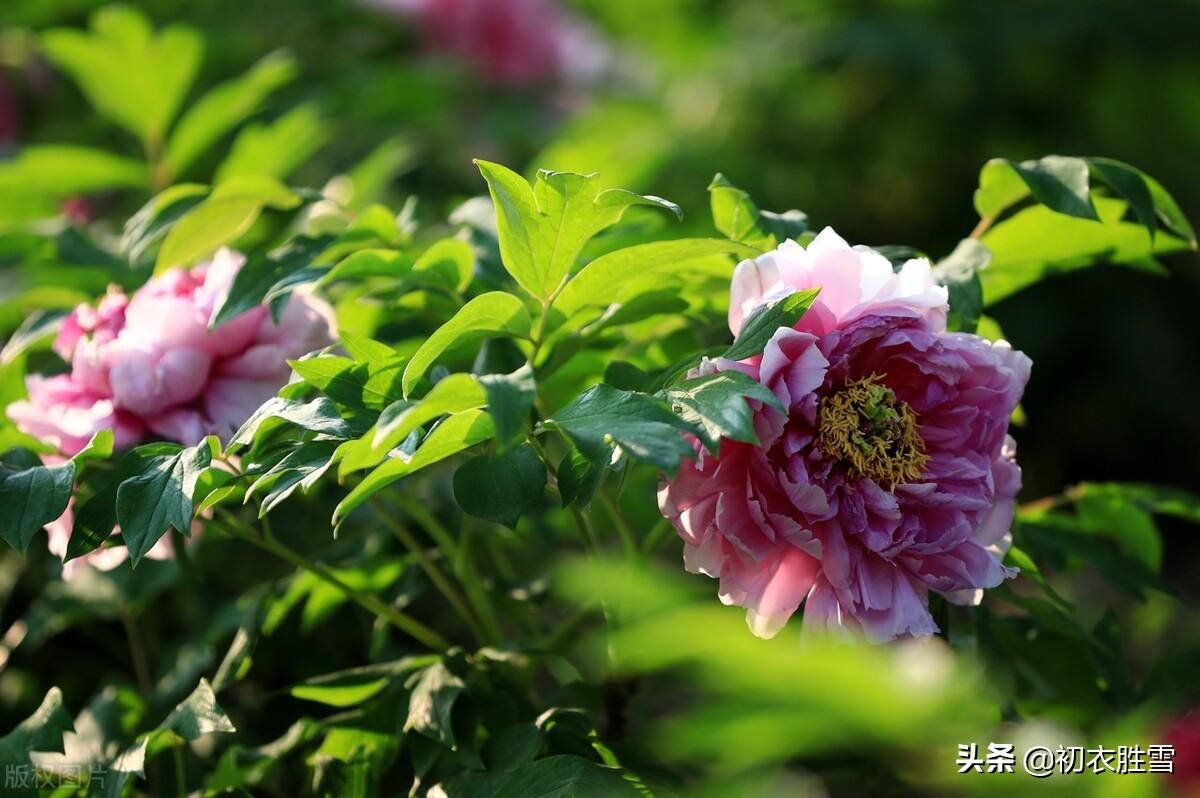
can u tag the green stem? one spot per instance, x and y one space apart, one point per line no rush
456 553
401 620
180 772
623 528
137 651
433 572
654 538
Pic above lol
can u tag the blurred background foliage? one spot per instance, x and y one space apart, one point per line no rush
874 118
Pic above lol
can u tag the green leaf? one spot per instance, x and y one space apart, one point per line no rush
492 315
32 495
352 383
302 467
716 405
454 394
58 170
95 519
509 400
221 219
41 731
567 776
147 228
198 714
276 149
451 259
99 447
320 415
1036 243
1058 182
225 107
959 272
130 75
642 425
265 276
161 498
348 693
434 693
455 433
766 320
501 487
1108 512
599 283
543 228
1149 200
579 476
737 217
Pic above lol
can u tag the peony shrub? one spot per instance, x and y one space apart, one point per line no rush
441 479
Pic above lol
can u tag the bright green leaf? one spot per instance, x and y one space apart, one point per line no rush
491 315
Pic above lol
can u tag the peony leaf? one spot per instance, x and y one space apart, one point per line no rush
959 272
766 319
737 217
434 693
600 281
302 467
642 425
1058 182
543 228
276 149
509 400
58 170
501 487
31 494
319 415
160 498
452 435
41 731
451 260
492 315
225 107
1035 243
566 776
717 405
454 394
130 74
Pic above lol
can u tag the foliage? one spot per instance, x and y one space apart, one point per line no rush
434 564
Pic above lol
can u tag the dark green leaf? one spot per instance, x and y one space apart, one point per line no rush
434 694
959 272
716 405
41 731
766 320
1058 182
32 495
161 498
509 400
501 487
319 415
566 776
642 425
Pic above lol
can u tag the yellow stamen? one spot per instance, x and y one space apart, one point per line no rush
863 425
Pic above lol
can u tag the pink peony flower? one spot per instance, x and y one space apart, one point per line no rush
892 473
149 364
514 42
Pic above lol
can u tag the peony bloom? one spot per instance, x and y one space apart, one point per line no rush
892 473
513 42
150 366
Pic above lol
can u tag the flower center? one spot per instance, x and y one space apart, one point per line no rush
864 426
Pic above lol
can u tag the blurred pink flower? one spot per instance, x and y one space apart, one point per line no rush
892 473
515 42
150 364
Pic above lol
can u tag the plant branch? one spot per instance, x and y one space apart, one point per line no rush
444 586
401 620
